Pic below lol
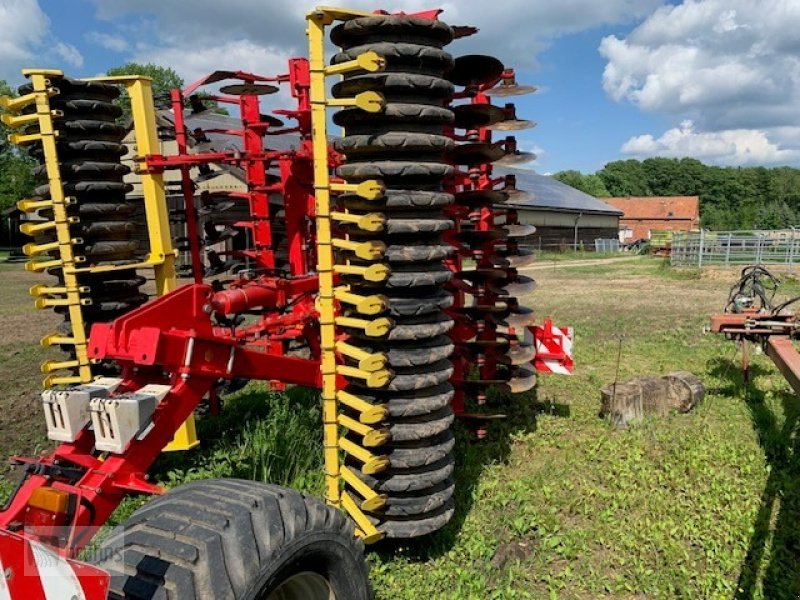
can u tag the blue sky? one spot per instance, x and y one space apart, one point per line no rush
715 79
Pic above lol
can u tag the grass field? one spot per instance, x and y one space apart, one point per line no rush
556 504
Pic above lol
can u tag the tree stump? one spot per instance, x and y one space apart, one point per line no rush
650 396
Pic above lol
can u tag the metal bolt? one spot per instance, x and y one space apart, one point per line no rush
8 573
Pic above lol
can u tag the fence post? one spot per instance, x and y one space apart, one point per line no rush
700 249
758 249
728 251
791 251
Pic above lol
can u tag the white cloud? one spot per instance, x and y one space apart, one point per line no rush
107 41
727 147
23 26
516 32
727 64
69 53
730 66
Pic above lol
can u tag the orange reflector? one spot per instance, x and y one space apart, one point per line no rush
45 498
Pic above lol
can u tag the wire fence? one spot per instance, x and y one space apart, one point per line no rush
730 248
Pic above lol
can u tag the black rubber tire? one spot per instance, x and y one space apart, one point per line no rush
414 526
415 58
415 328
391 28
232 539
413 354
409 117
418 503
410 480
399 200
415 306
395 86
412 402
422 427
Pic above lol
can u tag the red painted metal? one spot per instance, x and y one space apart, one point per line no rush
22 562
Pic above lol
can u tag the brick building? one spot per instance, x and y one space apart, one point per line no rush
643 215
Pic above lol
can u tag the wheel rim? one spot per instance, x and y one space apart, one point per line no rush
303 586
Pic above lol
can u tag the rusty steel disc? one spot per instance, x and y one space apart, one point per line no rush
516 158
504 90
512 125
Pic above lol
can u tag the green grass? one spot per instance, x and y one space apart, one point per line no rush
547 255
556 503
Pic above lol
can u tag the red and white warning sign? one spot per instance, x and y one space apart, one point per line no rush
553 348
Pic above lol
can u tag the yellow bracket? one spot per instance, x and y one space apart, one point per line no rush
371 222
373 379
366 360
54 365
16 121
32 249
371 102
371 189
42 302
375 273
372 500
375 328
17 104
364 527
19 139
366 305
366 61
54 380
56 339
372 437
39 227
369 414
369 250
372 463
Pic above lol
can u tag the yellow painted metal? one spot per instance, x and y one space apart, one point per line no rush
33 205
162 254
57 365
372 222
372 463
17 104
371 102
367 361
54 380
369 250
366 61
375 272
375 328
326 302
371 437
372 500
369 414
71 295
373 379
364 527
185 438
366 305
371 189
56 339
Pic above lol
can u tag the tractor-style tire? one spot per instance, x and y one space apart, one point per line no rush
228 539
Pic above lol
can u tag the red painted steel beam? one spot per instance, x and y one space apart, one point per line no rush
785 356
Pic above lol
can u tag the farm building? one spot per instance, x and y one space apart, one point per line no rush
564 217
644 215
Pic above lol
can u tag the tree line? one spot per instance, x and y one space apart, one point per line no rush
730 197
